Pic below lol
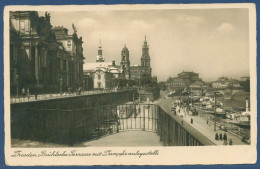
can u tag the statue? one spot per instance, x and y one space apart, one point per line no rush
47 16
74 28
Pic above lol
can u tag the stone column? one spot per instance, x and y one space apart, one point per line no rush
36 64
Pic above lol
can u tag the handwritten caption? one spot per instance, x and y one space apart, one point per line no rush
106 153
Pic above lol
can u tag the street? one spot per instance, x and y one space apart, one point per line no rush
199 123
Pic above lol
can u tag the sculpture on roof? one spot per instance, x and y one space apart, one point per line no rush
74 28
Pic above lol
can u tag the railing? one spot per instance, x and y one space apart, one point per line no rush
30 98
78 125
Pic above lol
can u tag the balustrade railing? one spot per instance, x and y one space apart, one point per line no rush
34 97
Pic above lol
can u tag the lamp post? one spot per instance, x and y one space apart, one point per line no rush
215 109
83 85
17 85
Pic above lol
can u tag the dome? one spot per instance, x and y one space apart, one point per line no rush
125 49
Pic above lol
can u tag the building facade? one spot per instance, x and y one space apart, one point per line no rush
101 73
184 81
71 66
38 61
125 62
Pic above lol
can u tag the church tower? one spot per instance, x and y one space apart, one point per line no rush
100 57
125 62
145 60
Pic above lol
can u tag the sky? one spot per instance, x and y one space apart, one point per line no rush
211 42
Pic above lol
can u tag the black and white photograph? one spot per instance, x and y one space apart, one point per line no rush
130 81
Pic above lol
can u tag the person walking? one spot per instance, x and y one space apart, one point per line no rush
69 91
36 93
230 142
28 93
216 136
23 92
220 136
225 137
191 121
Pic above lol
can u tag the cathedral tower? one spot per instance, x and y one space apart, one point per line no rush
100 57
125 62
145 60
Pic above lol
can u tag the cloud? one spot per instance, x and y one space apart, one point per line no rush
225 28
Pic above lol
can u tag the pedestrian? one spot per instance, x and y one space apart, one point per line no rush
216 136
28 93
230 142
225 137
220 136
69 91
207 121
36 93
191 121
23 92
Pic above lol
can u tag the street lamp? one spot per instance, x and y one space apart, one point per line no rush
17 85
83 85
215 109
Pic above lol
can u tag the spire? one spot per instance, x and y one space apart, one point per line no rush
145 42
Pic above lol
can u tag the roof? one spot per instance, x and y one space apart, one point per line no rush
104 66
188 73
59 28
125 49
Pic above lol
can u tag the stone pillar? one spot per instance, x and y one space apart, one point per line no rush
36 64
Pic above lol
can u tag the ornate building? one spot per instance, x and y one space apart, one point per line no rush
125 62
184 81
144 71
101 73
37 60
71 66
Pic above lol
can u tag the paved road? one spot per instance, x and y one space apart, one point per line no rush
199 123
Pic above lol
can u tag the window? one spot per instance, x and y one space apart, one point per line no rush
99 77
99 84
64 65
22 25
69 43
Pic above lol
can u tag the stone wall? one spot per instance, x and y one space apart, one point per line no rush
65 120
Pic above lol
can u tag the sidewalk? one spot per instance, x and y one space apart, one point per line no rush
199 124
